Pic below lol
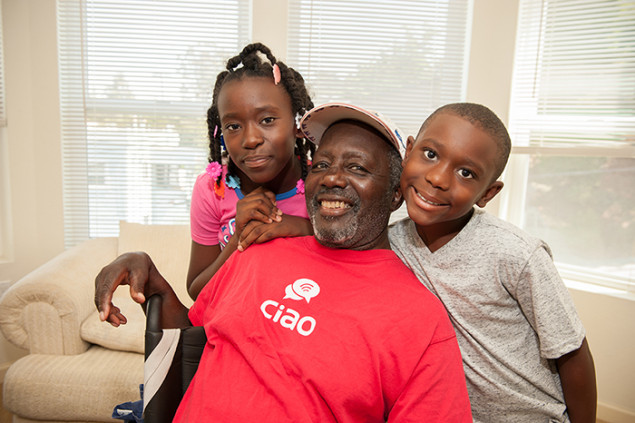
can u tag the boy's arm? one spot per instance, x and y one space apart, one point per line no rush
577 373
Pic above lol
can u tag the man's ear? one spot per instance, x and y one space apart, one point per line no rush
397 199
490 193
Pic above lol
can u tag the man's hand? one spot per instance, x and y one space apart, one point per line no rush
128 269
258 232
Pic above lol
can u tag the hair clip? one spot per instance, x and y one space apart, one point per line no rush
215 130
222 141
276 74
298 118
214 170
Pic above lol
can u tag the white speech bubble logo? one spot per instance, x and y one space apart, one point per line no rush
302 288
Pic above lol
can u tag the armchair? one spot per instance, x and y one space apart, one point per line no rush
77 367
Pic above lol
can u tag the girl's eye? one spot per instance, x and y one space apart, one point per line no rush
467 174
268 120
231 126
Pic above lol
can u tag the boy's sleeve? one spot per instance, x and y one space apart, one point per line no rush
548 306
436 391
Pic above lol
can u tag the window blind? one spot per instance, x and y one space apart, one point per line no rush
572 122
401 58
574 73
136 79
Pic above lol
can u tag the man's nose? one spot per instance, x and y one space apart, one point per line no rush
334 177
252 137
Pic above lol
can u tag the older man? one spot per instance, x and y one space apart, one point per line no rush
327 328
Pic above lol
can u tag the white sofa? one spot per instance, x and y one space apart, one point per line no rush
78 368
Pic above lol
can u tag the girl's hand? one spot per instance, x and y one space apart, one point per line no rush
259 205
256 232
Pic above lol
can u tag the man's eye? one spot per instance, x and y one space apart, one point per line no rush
357 168
319 166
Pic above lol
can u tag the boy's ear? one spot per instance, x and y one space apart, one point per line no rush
409 145
397 199
491 192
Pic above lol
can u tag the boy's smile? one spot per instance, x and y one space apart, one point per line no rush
447 169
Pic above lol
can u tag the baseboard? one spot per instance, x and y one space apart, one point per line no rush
613 414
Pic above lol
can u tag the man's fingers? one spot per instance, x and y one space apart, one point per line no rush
137 280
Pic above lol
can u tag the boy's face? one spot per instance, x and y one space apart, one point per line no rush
447 169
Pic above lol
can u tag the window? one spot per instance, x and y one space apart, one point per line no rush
136 79
5 215
572 121
401 58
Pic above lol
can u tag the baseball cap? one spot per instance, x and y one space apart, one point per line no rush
317 120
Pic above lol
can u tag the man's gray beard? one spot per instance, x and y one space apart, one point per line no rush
334 237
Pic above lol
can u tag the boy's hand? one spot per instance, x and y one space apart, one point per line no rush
259 205
258 232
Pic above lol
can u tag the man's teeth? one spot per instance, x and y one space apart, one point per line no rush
335 205
425 200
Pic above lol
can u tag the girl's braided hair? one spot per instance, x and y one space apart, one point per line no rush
253 62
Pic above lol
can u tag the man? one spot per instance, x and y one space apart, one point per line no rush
330 327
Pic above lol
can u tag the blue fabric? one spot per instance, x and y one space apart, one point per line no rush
131 411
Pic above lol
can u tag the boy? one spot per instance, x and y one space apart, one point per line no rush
524 349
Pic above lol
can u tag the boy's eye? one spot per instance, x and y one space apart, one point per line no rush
465 173
429 154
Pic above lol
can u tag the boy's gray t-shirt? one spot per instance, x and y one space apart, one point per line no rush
511 311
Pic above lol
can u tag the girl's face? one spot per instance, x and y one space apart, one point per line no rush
259 130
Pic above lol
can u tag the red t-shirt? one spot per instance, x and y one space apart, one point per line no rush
298 332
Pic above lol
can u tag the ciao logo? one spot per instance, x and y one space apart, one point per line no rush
301 289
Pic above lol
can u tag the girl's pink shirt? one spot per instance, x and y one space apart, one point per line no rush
213 219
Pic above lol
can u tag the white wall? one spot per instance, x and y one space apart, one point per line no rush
35 178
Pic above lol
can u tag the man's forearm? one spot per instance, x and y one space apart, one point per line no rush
577 374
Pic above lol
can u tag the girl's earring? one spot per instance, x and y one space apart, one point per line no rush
222 142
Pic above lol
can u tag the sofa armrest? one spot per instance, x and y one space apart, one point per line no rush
43 311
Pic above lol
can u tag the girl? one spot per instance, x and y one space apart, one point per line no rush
258 162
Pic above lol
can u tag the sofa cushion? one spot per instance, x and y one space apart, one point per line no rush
169 248
128 337
75 388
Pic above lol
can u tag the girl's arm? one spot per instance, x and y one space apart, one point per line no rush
205 260
577 374
257 232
